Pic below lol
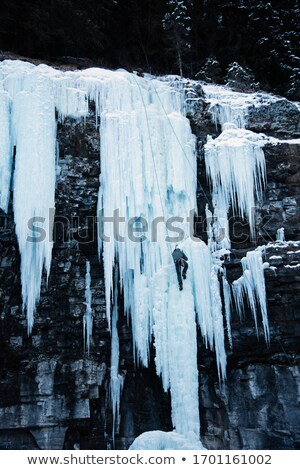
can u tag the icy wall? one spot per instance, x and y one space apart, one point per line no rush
141 121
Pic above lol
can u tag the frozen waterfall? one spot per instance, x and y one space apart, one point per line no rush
147 199
143 168
160 440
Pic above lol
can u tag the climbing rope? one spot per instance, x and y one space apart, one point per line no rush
152 154
182 148
211 208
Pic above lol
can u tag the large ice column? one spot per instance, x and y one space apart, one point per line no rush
148 175
5 150
206 274
175 341
34 134
28 98
142 175
88 316
235 165
252 285
148 169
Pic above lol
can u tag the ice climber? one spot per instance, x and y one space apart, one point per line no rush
180 260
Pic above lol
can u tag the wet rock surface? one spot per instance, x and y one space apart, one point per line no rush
54 395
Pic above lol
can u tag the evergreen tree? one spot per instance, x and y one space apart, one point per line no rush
207 35
176 22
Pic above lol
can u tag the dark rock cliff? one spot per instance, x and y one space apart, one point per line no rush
53 395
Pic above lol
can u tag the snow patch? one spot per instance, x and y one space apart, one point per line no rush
159 440
291 266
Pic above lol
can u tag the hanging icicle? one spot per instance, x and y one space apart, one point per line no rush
88 316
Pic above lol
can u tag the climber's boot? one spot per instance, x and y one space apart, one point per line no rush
184 275
180 286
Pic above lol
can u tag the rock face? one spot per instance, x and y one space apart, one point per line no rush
53 395
279 119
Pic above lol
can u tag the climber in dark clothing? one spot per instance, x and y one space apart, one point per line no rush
180 260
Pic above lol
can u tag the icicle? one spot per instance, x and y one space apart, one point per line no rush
280 235
218 225
88 316
238 293
116 380
235 165
252 285
5 150
227 106
218 324
253 262
227 305
210 228
70 101
201 267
